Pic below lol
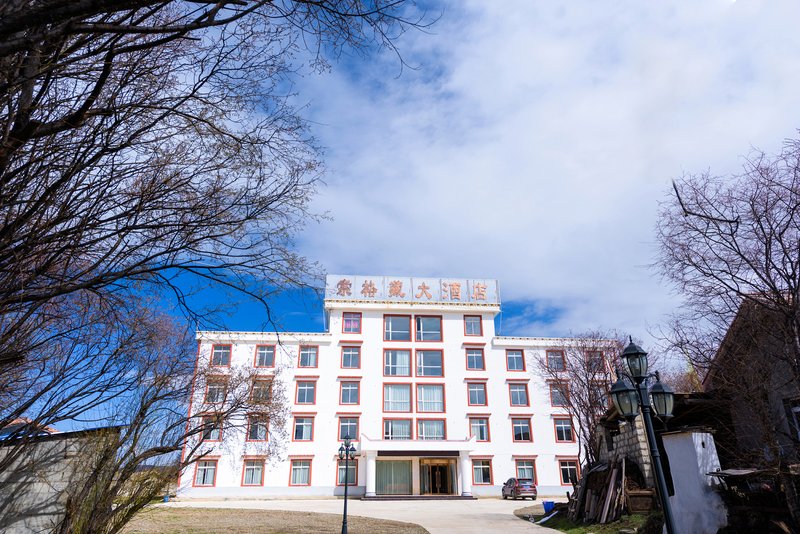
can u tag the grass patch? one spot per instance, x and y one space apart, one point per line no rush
561 523
239 521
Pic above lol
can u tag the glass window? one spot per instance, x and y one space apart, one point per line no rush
430 398
397 429
212 428
301 472
397 327
569 471
221 355
397 398
479 427
522 429
555 360
262 391
397 362
303 428
351 357
515 360
597 393
349 392
429 363
215 392
351 323
519 394
558 394
265 356
475 360
253 473
563 430
306 392
308 357
257 428
595 362
348 470
525 469
429 328
206 473
472 325
348 428
482 471
477 394
430 429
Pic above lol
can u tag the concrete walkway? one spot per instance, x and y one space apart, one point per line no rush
438 517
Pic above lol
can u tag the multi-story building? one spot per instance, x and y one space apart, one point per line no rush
412 370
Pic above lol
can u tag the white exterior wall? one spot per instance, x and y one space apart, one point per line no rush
501 448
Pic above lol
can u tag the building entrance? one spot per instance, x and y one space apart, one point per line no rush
437 476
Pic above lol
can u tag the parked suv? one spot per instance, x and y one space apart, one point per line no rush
519 487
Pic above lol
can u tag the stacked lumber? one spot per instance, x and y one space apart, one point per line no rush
599 497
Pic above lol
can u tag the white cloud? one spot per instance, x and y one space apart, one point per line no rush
537 138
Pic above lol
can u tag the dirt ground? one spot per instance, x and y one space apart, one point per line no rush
212 521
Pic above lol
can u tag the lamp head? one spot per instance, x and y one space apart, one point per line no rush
636 361
625 400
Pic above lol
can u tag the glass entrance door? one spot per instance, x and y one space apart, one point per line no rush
437 476
393 477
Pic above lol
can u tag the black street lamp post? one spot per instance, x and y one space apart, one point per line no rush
346 452
629 398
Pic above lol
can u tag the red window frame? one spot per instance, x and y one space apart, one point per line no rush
416 363
411 360
353 462
444 396
341 360
344 322
441 329
297 392
566 394
488 428
410 427
577 469
410 397
524 366
527 395
556 420
531 460
274 356
230 354
480 325
263 469
491 472
357 417
216 380
250 423
442 419
530 430
221 429
253 388
341 392
214 459
485 393
563 360
466 358
310 461
295 417
410 328
300 356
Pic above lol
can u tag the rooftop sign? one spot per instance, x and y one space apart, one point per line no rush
405 289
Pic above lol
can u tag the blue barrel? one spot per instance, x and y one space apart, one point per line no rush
548 506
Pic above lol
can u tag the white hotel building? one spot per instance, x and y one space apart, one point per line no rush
411 369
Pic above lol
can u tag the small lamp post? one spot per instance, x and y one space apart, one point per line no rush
346 452
630 395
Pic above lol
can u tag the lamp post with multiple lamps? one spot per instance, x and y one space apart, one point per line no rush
630 394
347 452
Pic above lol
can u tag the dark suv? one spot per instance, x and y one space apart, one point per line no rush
519 487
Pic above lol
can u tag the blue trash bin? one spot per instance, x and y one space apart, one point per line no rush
548 506
166 498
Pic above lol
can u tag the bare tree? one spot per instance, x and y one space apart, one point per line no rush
580 374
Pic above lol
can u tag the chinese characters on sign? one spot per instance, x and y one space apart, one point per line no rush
377 288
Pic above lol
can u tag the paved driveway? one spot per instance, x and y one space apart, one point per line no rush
438 517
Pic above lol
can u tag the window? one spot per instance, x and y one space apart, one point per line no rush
519 394
349 393
597 393
475 360
558 394
348 428
429 328
303 428
522 429
221 355
397 328
262 391
430 429
306 392
347 474
472 325
479 427
397 429
397 398
482 471
397 362
351 357
257 428
556 361
351 323
308 357
301 473
429 363
595 363
212 428
215 392
205 473
563 430
265 356
430 398
477 394
253 473
525 469
515 360
569 471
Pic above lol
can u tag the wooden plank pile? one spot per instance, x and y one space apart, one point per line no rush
599 496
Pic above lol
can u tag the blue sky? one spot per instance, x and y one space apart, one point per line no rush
533 144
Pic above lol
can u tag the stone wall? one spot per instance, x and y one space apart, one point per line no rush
631 443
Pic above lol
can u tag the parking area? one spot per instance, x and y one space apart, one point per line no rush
438 517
